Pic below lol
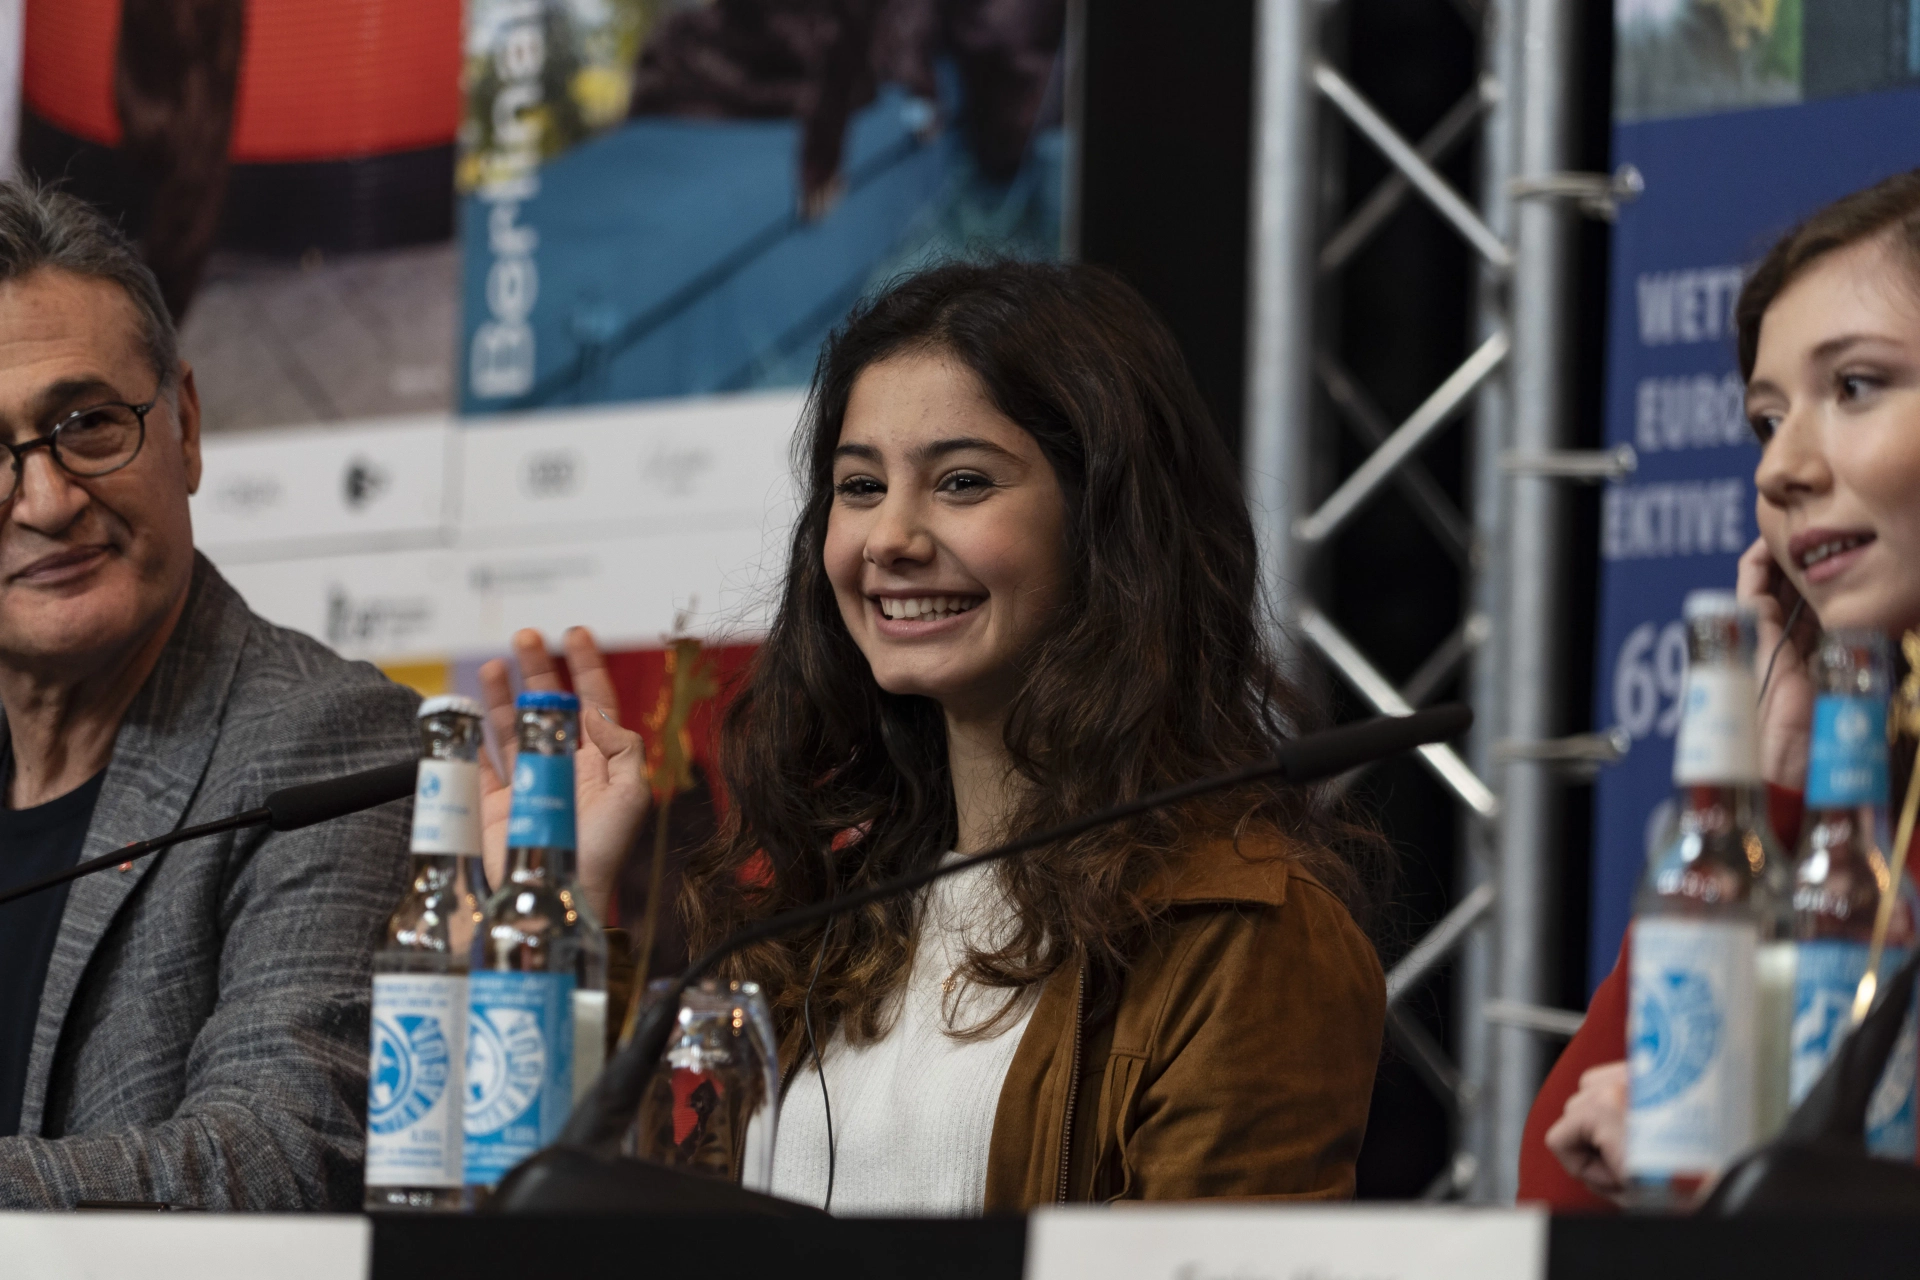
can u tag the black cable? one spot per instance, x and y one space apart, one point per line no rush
813 1045
1786 634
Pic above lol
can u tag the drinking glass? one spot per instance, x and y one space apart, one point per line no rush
714 1099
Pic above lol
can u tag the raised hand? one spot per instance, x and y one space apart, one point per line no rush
1786 700
611 790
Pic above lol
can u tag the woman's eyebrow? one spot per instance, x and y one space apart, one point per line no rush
1834 347
958 444
922 454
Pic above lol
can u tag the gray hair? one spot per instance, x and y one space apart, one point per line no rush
41 227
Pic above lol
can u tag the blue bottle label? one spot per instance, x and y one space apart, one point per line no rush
1849 760
542 813
1690 1044
414 1093
519 1068
1827 974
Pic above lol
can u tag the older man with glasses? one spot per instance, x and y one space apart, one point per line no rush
190 1028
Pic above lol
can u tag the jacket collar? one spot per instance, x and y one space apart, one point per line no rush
159 758
1251 868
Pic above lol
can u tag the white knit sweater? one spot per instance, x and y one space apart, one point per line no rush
913 1112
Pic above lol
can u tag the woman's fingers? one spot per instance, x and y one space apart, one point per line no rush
495 809
603 736
610 763
599 703
496 697
490 779
591 679
537 671
590 757
614 798
1753 579
496 805
1787 633
621 755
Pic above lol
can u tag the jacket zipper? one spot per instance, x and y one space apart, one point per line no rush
1073 1086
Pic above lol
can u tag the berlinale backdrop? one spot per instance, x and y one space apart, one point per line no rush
502 313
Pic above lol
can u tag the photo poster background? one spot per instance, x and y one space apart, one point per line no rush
502 314
1743 118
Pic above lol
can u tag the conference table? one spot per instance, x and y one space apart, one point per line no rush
996 1249
1152 1244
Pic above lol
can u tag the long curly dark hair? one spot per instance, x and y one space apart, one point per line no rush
1157 671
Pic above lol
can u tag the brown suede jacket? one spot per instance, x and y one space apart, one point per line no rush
1239 1062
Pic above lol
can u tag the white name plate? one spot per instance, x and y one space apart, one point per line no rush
185 1246
1286 1242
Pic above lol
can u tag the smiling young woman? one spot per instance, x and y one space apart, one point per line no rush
1829 343
1023 587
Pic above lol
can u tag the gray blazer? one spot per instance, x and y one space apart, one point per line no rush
202 1037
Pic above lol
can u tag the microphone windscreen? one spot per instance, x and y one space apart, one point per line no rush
1334 751
294 807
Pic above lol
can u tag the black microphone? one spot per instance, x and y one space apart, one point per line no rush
287 809
291 808
604 1114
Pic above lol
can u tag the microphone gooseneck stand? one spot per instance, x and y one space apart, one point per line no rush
288 809
579 1169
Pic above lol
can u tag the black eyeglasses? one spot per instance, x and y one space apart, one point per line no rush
90 442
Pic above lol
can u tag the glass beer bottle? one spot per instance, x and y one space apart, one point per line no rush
1838 873
1709 961
416 1081
539 959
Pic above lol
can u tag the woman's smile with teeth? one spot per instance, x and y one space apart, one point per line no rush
925 606
1832 547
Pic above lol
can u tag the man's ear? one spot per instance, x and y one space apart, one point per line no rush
186 412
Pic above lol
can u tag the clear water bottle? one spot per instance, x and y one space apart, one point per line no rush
539 961
1838 872
1710 961
415 1084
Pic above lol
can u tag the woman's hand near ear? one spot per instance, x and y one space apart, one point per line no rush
1786 700
612 791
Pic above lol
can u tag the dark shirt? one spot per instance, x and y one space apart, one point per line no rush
33 843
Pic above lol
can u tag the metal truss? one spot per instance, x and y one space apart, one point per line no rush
1509 392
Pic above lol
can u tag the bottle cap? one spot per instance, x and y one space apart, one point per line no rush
450 703
1713 604
531 701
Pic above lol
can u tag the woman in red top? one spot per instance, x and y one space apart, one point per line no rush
1829 338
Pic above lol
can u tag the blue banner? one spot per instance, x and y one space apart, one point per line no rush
1719 189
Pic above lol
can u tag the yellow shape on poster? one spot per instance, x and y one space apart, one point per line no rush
427 679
